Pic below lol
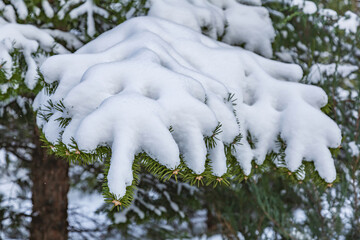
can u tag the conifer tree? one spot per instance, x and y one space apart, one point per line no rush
88 19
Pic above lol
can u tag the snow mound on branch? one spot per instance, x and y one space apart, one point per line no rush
28 39
129 86
234 23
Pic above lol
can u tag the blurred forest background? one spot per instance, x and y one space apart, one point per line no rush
268 205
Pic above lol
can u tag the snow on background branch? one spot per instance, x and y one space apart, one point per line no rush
225 20
87 7
33 43
27 38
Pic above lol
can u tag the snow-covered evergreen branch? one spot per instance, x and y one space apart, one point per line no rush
128 87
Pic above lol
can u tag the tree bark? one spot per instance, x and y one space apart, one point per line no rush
50 179
355 6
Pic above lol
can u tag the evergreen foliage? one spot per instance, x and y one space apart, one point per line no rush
261 205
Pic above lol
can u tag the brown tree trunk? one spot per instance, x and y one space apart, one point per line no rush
50 179
355 6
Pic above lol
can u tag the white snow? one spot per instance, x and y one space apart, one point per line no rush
328 13
13 197
320 71
235 23
141 201
349 22
308 7
121 216
345 95
21 8
72 42
213 237
83 211
130 85
9 14
49 12
285 56
87 7
354 148
299 216
251 2
28 39
193 14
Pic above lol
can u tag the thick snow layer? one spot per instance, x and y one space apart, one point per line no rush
234 23
130 85
27 39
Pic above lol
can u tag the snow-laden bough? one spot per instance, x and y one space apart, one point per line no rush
33 43
27 38
226 20
133 84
